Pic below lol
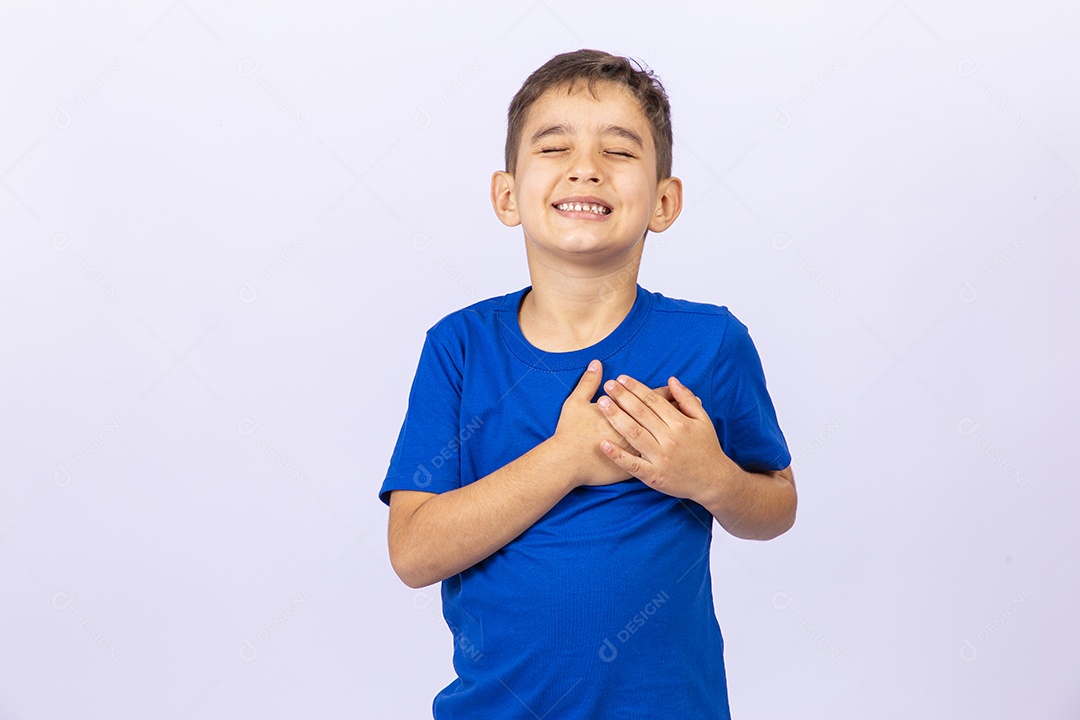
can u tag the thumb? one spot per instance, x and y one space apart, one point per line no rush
590 380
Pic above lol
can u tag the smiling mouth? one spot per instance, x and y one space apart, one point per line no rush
593 208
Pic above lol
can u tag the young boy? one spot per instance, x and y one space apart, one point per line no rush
571 527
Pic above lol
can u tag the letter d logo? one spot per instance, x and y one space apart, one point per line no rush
966 425
61 478
62 118
781 242
782 118
246 426
420 242
248 653
246 67
248 293
422 477
61 242
61 600
966 67
782 600
968 293
422 119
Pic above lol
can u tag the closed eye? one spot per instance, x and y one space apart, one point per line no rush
609 152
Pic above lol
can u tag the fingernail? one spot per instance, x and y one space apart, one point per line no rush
593 365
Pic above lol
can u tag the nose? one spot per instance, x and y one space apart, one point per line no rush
584 167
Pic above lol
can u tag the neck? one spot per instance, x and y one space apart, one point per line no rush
571 310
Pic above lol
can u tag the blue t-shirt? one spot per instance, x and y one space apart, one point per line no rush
604 607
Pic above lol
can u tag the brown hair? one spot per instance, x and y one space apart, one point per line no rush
593 65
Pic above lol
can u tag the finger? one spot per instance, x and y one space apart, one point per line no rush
643 404
589 381
637 466
644 439
665 392
619 440
689 403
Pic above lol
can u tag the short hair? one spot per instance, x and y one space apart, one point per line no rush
593 65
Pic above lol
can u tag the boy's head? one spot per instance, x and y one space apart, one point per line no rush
591 66
588 158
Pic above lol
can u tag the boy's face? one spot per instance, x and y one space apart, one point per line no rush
595 151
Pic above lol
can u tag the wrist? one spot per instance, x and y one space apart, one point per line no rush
554 454
717 486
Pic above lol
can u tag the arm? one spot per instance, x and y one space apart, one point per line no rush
433 536
680 455
749 505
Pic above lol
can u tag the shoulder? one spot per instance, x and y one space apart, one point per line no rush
707 328
663 303
718 320
479 317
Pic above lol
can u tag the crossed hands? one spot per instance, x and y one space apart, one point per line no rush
662 436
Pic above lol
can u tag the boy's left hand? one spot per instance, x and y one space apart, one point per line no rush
680 454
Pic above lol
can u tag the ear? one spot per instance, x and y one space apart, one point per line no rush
668 204
502 198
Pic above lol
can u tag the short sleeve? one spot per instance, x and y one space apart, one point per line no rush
748 430
426 454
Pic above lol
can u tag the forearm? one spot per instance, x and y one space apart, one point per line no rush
752 506
454 530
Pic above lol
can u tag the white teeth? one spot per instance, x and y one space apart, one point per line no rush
590 207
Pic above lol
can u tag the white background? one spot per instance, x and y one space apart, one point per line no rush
226 229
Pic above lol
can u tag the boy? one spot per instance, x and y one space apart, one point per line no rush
571 527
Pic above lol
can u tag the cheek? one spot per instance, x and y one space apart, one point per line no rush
531 199
635 184
528 206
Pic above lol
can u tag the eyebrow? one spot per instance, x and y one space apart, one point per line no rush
562 129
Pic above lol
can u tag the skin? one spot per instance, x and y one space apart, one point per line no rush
584 282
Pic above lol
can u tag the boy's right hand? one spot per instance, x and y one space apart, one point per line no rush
582 426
